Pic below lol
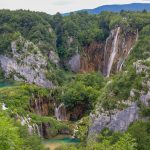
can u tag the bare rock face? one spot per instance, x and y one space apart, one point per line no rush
26 64
117 48
42 106
92 58
119 121
107 57
74 63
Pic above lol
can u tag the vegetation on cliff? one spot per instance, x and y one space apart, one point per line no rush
66 36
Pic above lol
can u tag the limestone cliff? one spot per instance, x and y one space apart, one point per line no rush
107 57
25 63
119 119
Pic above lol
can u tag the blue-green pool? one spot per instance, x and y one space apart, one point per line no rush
6 83
63 140
58 142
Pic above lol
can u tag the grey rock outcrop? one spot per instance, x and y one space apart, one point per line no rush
119 121
74 63
26 64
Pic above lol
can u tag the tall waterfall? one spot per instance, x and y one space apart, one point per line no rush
113 53
60 112
105 57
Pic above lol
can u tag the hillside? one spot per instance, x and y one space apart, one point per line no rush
118 8
83 75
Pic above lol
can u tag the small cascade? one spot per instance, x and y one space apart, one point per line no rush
75 130
32 128
38 130
4 106
37 109
60 112
41 130
137 35
113 53
121 62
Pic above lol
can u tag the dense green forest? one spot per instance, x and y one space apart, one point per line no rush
66 36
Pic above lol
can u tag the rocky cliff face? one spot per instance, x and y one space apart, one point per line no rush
92 58
119 120
42 106
26 63
117 48
107 57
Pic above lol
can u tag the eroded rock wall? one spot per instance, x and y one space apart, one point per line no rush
26 63
107 57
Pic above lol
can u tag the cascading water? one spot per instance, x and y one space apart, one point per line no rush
37 109
113 53
137 35
32 128
4 106
105 57
122 60
60 112
38 130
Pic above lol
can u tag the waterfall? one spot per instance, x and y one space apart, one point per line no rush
41 130
75 130
4 106
32 128
113 53
60 112
105 57
38 130
121 62
137 35
36 106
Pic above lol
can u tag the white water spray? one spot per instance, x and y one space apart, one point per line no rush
113 54
60 112
4 106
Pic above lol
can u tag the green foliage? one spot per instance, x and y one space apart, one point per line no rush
30 142
9 134
79 94
31 25
83 126
67 35
17 97
122 142
114 142
94 80
83 90
141 132
58 76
